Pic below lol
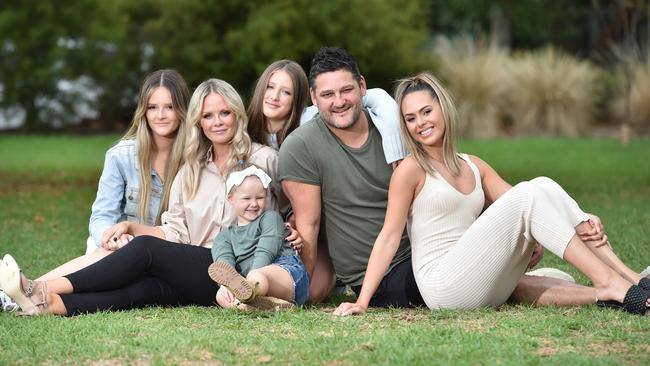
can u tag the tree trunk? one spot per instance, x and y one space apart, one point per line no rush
500 36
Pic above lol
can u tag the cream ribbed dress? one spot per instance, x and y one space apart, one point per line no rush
465 259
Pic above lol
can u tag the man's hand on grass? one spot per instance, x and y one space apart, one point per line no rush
348 308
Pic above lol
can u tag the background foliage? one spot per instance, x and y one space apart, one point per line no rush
115 44
63 62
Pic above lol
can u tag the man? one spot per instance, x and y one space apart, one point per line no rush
334 172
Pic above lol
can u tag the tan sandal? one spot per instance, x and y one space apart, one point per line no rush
11 279
226 275
270 303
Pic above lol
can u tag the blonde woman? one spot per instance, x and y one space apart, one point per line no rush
464 257
166 264
126 192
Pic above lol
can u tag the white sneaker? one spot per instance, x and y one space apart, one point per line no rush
7 303
90 245
552 273
646 272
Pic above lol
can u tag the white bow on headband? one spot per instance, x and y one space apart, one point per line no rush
236 178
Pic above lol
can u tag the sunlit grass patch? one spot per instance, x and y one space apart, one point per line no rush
44 209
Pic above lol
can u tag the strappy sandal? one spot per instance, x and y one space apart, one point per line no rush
634 301
11 282
225 275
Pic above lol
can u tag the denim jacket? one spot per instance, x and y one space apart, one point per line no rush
118 192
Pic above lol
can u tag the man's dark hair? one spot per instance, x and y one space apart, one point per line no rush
329 59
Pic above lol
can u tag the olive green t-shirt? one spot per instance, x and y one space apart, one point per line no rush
354 192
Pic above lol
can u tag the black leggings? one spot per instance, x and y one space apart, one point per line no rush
397 289
146 272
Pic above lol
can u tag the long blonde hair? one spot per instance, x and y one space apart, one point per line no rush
257 127
427 82
141 132
197 145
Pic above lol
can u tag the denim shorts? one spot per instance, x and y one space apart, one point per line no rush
298 272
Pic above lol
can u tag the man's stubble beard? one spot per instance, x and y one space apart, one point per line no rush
356 116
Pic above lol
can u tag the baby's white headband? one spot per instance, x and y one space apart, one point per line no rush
236 178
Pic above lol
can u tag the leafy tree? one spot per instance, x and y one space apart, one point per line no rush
386 37
151 34
39 38
186 34
114 44
533 23
236 40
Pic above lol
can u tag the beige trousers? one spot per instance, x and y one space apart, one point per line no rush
484 266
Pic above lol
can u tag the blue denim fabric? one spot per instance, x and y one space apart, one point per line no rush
118 192
298 273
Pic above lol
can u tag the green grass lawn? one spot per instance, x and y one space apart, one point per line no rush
47 185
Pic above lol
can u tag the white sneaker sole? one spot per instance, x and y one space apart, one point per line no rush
8 305
552 273
646 272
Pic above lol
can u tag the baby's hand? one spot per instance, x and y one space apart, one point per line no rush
294 237
347 308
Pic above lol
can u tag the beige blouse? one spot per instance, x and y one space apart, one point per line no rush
197 221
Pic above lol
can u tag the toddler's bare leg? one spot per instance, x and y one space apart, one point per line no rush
273 281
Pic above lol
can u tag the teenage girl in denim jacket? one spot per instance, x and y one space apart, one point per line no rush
154 139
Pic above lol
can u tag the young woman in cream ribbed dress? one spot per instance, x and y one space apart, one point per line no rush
466 256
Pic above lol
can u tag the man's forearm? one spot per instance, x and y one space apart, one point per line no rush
309 249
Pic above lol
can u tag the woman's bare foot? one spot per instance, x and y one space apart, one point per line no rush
616 290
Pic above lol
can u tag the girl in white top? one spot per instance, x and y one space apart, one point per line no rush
464 257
